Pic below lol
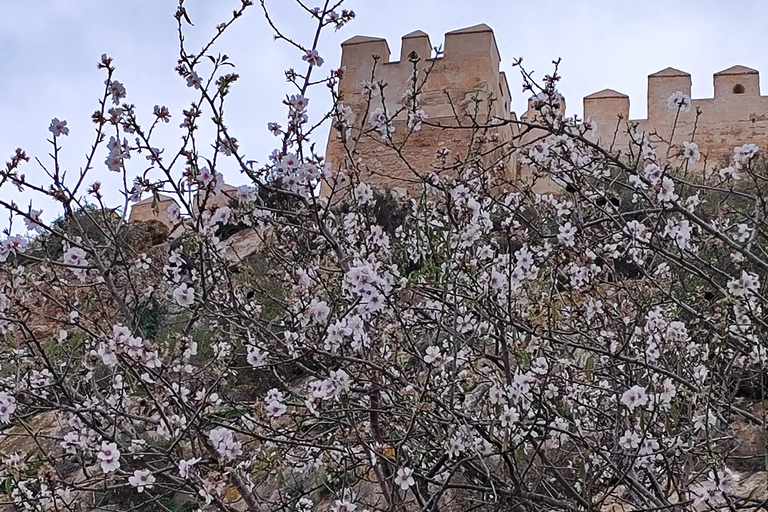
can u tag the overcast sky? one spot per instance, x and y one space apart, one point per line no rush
49 50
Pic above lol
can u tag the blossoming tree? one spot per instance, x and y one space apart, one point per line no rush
469 346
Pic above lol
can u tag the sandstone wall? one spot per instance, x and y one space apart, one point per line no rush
144 211
469 65
737 114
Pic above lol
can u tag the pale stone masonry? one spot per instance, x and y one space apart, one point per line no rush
469 65
144 211
737 115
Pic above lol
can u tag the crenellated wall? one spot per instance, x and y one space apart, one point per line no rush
468 65
737 114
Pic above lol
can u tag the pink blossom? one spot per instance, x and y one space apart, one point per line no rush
313 58
691 152
298 103
634 397
275 409
193 80
162 113
433 355
7 406
186 465
223 441
567 234
274 128
510 417
116 90
174 213
58 128
745 285
109 456
679 101
630 440
142 479
404 478
184 295
32 220
743 154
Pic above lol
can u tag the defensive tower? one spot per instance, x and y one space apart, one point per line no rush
468 68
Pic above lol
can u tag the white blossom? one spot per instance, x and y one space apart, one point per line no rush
223 441
142 479
691 152
630 440
184 295
679 100
634 397
404 478
186 465
109 456
7 406
567 234
58 127
313 58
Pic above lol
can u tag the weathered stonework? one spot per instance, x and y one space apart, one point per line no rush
147 209
737 115
468 67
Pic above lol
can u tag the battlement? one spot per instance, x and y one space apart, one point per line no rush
735 115
460 45
736 81
469 67
469 62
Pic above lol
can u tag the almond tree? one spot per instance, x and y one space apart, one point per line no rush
472 345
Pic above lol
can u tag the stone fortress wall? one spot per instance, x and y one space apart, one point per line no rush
144 211
737 114
470 64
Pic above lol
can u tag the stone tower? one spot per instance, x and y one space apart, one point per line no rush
468 67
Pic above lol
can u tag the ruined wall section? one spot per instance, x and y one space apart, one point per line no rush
737 115
144 210
469 65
